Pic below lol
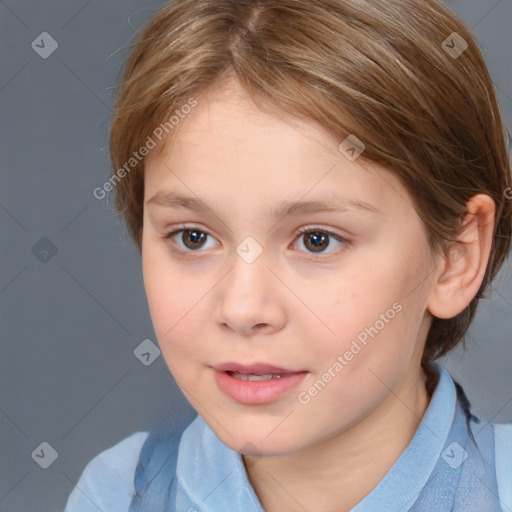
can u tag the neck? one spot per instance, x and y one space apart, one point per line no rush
336 474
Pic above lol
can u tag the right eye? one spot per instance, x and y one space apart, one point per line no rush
188 239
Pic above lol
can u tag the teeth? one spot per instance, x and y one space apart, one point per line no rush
254 376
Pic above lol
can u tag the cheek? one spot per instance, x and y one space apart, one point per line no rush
371 313
176 318
174 300
352 302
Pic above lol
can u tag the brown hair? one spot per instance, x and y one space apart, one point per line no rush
379 70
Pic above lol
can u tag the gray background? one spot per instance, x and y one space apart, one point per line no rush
70 321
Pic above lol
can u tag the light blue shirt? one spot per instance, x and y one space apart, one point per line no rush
440 470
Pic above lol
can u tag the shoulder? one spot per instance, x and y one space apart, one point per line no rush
503 454
107 482
503 445
503 431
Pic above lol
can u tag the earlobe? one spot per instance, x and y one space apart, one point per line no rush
463 267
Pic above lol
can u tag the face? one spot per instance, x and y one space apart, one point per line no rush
327 302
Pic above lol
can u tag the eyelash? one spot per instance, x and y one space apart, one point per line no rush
299 233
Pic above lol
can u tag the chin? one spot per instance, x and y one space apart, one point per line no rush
256 440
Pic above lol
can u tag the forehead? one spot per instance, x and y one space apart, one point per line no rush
228 119
227 143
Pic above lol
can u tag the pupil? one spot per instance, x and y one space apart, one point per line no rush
194 239
320 241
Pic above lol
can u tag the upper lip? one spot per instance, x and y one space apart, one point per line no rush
258 368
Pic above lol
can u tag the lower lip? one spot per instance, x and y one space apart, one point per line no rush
257 392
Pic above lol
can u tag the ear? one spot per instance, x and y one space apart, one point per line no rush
463 268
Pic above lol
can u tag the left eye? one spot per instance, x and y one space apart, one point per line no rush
317 240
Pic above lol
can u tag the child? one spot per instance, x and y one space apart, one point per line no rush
320 193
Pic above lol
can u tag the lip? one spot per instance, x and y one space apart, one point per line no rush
256 392
252 368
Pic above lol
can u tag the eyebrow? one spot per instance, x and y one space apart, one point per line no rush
335 203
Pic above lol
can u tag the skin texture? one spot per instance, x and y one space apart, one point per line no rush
293 307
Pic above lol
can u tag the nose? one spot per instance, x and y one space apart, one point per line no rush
250 298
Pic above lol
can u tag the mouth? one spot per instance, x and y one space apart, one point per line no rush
254 376
256 384
254 369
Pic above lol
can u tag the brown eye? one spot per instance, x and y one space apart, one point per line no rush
192 238
316 241
189 239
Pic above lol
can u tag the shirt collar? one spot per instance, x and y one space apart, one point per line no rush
407 477
213 475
